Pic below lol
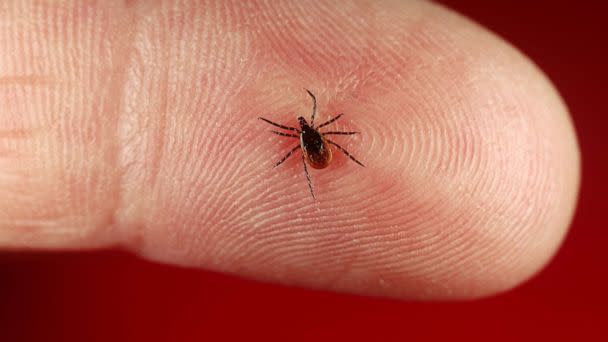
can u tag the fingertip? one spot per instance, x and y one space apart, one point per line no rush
470 185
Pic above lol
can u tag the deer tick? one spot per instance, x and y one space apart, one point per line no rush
314 144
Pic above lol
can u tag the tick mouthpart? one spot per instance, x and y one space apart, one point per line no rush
302 121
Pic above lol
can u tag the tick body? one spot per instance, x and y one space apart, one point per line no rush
314 144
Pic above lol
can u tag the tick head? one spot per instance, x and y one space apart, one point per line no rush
302 122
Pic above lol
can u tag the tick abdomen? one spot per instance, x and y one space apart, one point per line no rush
315 148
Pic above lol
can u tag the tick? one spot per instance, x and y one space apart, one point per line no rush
314 144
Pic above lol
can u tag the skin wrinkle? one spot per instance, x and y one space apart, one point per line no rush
160 125
67 184
113 105
16 176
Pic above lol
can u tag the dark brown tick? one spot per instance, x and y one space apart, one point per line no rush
313 143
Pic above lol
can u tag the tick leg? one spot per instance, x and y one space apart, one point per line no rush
330 121
285 134
287 156
308 177
314 108
345 152
339 133
281 126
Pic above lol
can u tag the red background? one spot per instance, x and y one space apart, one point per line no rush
114 296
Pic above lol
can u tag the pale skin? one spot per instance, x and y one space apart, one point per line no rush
134 124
